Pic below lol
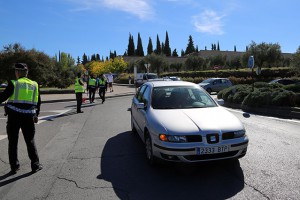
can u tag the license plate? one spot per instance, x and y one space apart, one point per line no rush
212 150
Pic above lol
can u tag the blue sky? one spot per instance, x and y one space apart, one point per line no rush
98 26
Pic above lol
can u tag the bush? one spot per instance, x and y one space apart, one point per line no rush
292 87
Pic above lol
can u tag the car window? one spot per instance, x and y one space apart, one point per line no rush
182 97
146 96
139 94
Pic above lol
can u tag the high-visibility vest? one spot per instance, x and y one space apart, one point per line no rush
102 83
78 88
25 91
92 82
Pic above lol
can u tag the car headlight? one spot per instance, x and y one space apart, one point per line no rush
172 138
240 133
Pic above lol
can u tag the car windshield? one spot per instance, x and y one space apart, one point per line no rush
180 97
208 80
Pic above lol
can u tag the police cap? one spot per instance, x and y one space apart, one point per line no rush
21 66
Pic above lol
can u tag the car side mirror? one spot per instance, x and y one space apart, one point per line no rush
140 105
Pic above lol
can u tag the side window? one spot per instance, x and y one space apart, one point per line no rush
146 96
140 93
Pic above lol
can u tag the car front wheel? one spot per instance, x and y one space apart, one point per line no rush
209 90
149 151
133 129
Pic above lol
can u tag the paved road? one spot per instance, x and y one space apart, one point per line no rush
95 156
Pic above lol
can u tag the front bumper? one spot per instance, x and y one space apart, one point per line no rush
179 152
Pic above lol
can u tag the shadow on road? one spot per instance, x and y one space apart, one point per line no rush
123 164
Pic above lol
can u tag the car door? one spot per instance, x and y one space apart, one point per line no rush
142 113
134 107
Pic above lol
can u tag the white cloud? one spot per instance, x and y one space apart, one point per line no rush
209 22
139 8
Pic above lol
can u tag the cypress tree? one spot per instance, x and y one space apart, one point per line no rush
158 47
175 54
167 49
150 47
218 47
190 47
130 46
139 48
84 59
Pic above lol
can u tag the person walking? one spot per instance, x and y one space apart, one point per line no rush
22 109
102 84
79 90
92 88
129 80
110 79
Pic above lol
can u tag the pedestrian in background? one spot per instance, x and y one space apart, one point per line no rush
92 88
23 108
110 80
129 80
79 90
102 83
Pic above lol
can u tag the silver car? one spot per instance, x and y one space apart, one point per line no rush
215 84
178 121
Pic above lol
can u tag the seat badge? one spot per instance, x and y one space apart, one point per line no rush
213 138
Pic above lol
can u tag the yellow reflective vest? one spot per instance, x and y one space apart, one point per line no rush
25 91
92 82
78 88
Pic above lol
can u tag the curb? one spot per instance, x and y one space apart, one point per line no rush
272 111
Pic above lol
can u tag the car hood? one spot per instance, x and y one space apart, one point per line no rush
191 121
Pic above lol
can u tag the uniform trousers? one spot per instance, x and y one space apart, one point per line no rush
92 92
102 93
15 122
79 100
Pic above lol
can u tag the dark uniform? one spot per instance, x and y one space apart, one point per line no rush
102 85
79 89
92 89
22 109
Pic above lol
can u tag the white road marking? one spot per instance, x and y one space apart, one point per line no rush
2 137
43 118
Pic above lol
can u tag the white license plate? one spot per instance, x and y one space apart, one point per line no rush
211 150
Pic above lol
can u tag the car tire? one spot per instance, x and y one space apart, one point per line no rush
209 90
133 129
149 151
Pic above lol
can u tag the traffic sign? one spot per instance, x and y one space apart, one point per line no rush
251 62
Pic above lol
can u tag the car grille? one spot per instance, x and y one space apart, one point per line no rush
194 138
210 156
228 136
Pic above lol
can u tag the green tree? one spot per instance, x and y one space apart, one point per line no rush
84 59
158 46
150 47
130 50
167 49
218 47
194 62
156 62
139 50
264 54
190 46
296 60
175 54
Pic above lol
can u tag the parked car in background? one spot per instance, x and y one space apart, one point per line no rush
283 81
179 122
142 78
174 78
215 84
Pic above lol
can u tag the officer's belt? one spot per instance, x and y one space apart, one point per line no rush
14 108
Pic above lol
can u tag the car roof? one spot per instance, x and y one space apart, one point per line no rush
170 83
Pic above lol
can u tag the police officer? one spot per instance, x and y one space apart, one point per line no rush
23 107
102 84
79 89
92 88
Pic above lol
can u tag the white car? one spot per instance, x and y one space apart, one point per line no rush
179 121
